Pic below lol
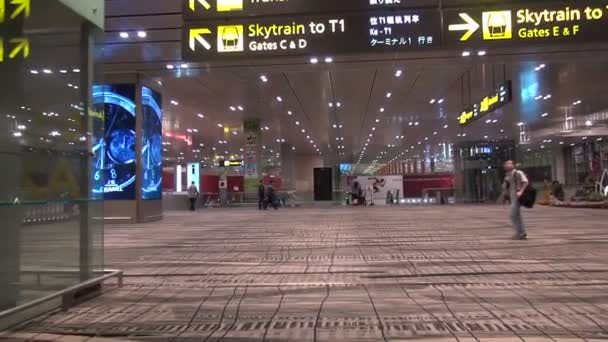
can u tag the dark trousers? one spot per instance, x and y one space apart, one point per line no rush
261 204
271 200
192 204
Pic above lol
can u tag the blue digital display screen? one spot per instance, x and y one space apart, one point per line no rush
151 156
114 170
346 168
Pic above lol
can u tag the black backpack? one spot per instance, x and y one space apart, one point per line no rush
528 197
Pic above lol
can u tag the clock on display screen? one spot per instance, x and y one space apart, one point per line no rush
114 153
152 159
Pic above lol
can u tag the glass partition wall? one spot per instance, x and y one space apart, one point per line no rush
51 227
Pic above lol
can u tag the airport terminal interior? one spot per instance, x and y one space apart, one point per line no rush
303 170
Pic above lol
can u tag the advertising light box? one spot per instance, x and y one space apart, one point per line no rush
114 153
214 9
393 31
152 147
520 25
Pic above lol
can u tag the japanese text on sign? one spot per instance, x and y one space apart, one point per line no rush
209 9
353 33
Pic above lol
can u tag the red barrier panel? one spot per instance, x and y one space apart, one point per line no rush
413 185
210 184
168 181
236 183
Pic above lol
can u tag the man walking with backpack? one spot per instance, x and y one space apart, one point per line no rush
193 196
514 185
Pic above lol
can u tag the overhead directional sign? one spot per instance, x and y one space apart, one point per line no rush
13 46
14 9
499 98
17 48
208 9
515 25
470 26
231 163
20 47
303 35
205 4
198 36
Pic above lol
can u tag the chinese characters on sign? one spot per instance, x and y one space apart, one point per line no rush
384 2
351 33
214 9
272 28
398 30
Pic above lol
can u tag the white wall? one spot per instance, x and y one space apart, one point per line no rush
559 166
304 169
93 10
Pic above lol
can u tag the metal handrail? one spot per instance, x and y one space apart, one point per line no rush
63 293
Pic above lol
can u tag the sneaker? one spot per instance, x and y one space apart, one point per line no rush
523 237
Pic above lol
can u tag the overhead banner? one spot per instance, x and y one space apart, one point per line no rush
378 187
213 9
395 31
498 99
520 25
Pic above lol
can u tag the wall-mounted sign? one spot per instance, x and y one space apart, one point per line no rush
499 98
518 25
231 163
213 9
301 35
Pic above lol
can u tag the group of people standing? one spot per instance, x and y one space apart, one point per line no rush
267 196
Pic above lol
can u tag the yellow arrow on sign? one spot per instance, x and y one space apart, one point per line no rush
21 7
21 45
196 36
471 27
2 11
203 3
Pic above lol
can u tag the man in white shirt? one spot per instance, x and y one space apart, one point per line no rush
515 183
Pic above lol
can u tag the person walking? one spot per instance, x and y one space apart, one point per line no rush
270 197
261 195
514 185
193 196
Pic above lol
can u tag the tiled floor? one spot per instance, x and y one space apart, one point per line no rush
369 274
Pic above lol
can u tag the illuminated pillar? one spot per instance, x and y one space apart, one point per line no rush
288 167
252 128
